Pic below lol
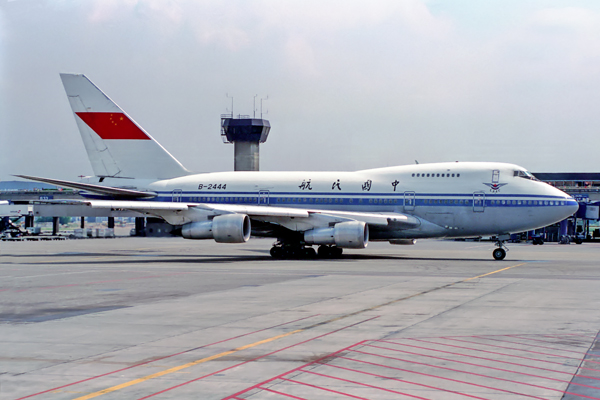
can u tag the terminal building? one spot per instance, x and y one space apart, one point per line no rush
585 188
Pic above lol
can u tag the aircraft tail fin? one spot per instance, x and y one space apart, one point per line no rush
116 145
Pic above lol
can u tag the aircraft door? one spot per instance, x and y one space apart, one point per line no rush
478 202
409 201
263 198
176 195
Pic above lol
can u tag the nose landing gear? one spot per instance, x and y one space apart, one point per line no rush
499 252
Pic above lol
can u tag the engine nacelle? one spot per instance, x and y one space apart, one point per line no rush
352 235
228 228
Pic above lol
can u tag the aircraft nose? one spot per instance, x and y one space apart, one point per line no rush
571 207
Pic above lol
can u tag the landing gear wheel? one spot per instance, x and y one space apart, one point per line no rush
276 252
330 251
309 252
336 252
499 254
578 240
324 251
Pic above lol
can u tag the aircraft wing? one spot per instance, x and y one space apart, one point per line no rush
105 190
179 213
300 219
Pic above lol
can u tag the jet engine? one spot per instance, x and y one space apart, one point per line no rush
352 235
228 228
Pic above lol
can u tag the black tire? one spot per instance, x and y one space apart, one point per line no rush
499 254
336 252
292 252
324 251
578 240
276 252
309 252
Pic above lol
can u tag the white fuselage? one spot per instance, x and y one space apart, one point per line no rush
451 199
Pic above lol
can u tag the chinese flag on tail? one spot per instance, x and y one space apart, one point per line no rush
112 126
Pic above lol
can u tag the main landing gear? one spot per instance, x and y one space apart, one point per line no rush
500 251
298 251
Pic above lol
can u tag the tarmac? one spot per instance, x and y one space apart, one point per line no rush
168 318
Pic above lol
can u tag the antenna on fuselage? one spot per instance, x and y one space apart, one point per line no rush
416 162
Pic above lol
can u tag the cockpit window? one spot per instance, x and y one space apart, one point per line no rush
526 175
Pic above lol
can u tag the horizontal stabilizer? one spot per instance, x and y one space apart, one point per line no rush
103 190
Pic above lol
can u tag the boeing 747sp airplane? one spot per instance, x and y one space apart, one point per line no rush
331 210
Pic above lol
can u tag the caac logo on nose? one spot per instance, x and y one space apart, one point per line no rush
495 185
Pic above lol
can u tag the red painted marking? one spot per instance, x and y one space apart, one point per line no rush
543 341
512 348
482 351
390 378
482 365
322 388
164 357
284 394
495 352
442 377
112 126
254 359
291 371
571 334
532 345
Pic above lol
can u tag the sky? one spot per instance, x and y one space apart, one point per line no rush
350 84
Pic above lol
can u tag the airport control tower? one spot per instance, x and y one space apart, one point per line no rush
246 134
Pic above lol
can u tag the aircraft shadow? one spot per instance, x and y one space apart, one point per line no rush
263 255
